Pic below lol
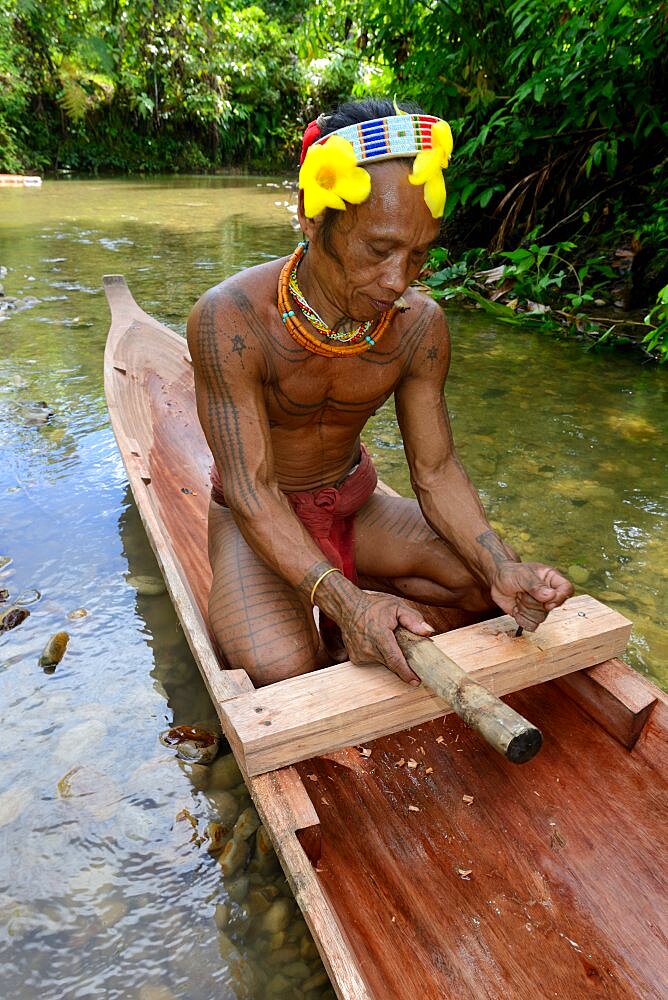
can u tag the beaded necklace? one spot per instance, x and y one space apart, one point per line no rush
315 320
361 340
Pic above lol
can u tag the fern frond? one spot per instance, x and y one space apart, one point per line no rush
73 99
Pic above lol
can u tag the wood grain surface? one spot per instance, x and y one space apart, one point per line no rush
467 877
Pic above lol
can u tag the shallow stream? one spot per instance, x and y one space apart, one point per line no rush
103 891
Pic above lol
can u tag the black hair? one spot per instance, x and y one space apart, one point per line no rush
352 113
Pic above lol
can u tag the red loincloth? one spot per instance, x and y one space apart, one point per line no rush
328 514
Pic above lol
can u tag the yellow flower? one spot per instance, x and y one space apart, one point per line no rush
330 177
429 165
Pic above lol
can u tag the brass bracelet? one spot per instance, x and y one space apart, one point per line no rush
332 569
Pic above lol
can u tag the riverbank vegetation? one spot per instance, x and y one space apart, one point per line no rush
557 194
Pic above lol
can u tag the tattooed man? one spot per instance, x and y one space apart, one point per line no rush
291 359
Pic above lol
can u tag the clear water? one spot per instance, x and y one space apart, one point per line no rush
103 891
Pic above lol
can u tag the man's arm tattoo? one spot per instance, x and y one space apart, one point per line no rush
499 552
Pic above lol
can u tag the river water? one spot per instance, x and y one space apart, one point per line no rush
103 890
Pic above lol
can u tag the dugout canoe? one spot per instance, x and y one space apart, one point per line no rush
425 864
20 180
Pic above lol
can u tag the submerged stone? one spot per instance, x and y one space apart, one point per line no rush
12 617
578 574
193 744
54 650
78 613
148 586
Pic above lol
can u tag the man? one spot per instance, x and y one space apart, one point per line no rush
291 358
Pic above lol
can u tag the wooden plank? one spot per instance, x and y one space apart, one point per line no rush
347 704
467 878
619 700
285 808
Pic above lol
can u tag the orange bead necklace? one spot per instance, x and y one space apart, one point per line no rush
310 341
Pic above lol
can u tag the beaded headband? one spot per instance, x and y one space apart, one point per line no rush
386 138
330 174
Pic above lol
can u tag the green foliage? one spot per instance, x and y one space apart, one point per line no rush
558 109
551 101
540 285
656 340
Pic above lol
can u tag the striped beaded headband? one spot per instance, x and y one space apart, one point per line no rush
331 174
386 138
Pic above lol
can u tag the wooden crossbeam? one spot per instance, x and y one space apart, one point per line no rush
346 704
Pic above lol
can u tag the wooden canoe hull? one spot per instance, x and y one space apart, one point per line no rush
547 883
20 180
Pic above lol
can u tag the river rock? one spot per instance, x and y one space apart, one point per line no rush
611 597
30 596
226 807
221 916
578 574
225 772
54 650
237 889
155 991
192 743
633 427
90 789
233 856
36 412
247 824
77 743
13 802
12 617
278 916
147 586
112 912
76 614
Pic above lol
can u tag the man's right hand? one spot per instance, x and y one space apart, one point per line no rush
368 625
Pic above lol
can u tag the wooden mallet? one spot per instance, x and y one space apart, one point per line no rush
500 725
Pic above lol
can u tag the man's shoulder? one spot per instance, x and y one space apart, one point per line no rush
254 287
423 315
234 317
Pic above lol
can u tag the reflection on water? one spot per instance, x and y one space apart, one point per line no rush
102 888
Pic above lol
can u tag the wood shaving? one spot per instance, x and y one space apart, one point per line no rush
324 800
468 799
440 739
414 809
365 752
400 762
412 763
312 777
429 770
421 749
464 872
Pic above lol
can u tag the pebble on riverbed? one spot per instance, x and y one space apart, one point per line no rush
148 586
192 743
36 412
578 574
12 617
76 614
54 651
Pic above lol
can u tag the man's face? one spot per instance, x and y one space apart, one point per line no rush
381 245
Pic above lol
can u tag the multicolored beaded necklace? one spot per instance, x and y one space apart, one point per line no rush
349 344
315 320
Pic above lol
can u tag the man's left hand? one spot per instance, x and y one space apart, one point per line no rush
529 591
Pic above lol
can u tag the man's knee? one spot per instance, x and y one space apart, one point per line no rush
267 658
